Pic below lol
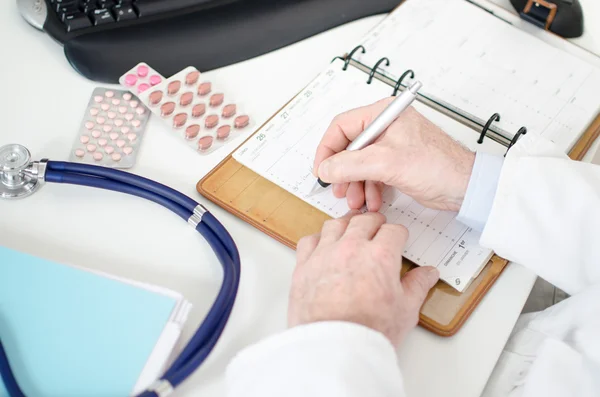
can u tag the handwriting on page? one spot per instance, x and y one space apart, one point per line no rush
283 152
483 65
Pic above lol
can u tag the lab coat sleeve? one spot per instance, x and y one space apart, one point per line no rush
546 215
324 359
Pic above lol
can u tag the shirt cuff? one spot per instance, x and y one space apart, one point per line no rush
481 191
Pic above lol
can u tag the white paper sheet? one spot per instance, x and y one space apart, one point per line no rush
283 152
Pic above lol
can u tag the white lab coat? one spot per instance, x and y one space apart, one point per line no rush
546 216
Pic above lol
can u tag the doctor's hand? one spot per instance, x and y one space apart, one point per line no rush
413 155
351 272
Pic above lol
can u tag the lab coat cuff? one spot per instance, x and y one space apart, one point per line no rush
481 190
334 355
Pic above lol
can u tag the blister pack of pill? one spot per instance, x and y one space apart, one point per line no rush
201 115
140 78
111 130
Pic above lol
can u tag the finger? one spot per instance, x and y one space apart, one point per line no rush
393 235
364 226
373 196
356 195
417 283
346 127
369 164
333 229
340 189
306 246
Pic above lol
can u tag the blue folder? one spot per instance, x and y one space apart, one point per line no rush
69 332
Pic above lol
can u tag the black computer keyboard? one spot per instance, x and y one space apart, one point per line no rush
104 38
71 18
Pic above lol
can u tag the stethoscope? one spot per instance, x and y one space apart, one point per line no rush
21 177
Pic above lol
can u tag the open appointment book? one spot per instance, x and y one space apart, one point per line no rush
483 81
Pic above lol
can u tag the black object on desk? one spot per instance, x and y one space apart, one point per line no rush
104 38
563 17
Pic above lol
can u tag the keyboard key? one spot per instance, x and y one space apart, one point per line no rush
77 21
123 12
67 10
101 16
88 7
64 3
105 3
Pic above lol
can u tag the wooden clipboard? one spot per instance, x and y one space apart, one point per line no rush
287 219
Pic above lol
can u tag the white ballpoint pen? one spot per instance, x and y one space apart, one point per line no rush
379 125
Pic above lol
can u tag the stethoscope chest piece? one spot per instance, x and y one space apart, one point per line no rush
15 181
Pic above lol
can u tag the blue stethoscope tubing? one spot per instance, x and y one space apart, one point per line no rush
221 242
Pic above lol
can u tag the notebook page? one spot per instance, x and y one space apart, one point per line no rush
283 152
483 65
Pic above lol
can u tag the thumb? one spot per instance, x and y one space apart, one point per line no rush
417 283
368 164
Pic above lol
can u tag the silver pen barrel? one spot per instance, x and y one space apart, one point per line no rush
386 118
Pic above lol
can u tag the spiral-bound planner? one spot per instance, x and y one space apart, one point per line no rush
485 82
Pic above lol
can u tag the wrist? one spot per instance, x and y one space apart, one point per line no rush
459 182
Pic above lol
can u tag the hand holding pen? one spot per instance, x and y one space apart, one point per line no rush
411 154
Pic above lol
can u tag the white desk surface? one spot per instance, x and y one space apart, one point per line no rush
42 107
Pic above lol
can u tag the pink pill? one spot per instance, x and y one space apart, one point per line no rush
204 89
173 87
133 104
142 70
228 111
79 153
139 111
179 120
113 135
91 148
129 117
102 142
205 142
111 115
142 87
84 139
127 96
98 98
96 134
125 130
100 120
192 77
223 132
118 122
154 79
109 94
120 143
131 137
241 121
211 121
192 131
116 101
98 156
105 106
130 79
216 99
186 98
198 110
116 157
109 149
167 109
136 123
89 125
94 111
122 109
107 128
155 97
127 150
